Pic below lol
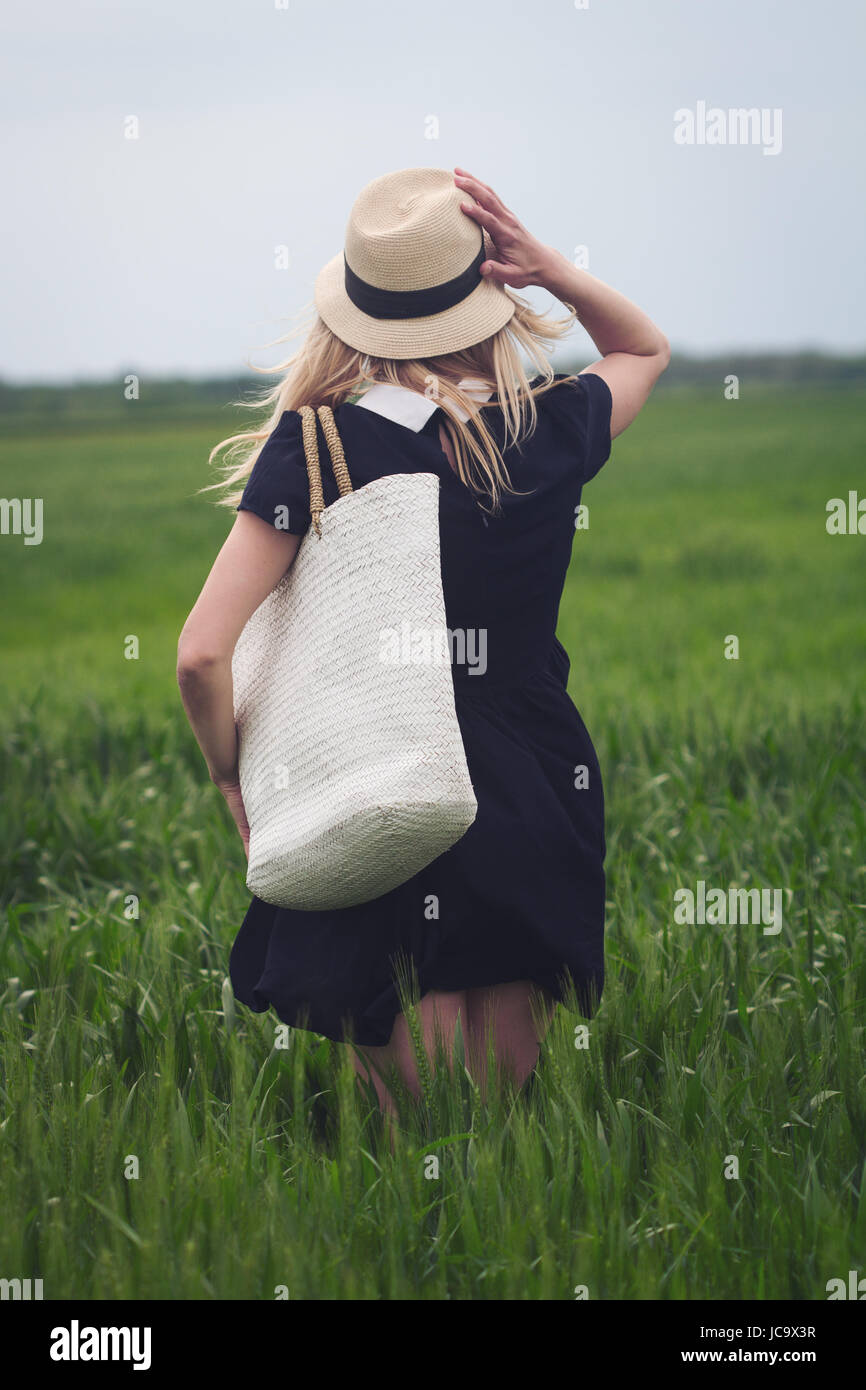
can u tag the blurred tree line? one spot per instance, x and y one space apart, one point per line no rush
135 398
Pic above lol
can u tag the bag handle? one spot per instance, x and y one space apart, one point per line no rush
311 452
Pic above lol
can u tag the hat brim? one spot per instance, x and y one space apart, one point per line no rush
481 314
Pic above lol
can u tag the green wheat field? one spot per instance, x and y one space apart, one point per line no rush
263 1171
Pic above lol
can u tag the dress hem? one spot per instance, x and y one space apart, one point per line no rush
558 986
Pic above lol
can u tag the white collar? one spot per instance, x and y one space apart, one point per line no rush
412 408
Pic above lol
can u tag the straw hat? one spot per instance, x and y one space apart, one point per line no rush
409 283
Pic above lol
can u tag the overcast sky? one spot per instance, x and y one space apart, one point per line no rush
259 122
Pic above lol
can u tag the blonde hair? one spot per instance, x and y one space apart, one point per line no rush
326 371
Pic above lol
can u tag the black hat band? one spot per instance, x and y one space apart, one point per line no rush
413 304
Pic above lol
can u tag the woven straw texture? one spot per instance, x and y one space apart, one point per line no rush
352 768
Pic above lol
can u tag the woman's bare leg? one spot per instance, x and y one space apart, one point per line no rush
505 1013
438 1010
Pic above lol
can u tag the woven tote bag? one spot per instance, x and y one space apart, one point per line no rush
352 766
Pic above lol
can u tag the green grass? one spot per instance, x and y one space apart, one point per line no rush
262 1167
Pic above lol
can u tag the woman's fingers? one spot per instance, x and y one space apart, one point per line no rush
495 270
235 802
482 194
485 218
464 176
509 237
482 191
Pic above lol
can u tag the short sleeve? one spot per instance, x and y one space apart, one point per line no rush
278 488
585 406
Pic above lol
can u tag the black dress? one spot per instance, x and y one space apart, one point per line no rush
521 895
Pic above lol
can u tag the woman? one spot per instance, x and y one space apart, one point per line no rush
418 324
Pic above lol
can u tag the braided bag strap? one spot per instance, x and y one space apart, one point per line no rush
311 453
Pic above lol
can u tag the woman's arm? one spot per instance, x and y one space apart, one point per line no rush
634 352
253 559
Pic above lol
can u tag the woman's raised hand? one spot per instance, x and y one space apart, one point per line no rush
519 259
